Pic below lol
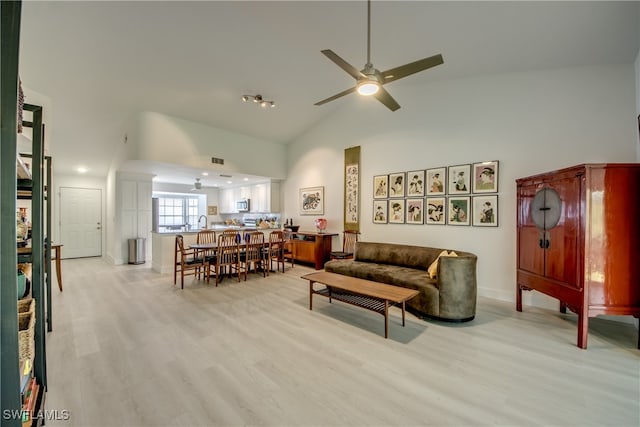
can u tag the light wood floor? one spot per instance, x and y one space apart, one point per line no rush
130 349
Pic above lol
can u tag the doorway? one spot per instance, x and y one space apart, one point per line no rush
81 222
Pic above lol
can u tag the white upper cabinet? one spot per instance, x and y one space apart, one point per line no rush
264 198
227 200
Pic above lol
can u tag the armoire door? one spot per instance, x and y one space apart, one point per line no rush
562 253
530 251
550 249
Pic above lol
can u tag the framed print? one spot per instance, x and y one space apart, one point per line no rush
458 211
485 177
351 195
459 179
485 211
415 211
415 184
396 184
312 201
212 210
396 211
436 180
435 210
380 211
381 186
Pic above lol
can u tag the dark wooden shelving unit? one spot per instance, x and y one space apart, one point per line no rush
11 188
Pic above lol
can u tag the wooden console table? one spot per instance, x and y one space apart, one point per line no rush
313 248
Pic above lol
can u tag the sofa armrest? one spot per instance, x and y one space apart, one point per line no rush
458 287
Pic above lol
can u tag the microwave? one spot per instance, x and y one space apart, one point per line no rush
242 205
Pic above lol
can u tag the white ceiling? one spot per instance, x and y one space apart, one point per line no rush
101 62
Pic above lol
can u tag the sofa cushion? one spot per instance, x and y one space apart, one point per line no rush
433 268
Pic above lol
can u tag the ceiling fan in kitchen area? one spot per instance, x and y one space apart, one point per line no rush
369 80
196 185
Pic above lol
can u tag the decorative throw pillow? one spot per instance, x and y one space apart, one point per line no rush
433 268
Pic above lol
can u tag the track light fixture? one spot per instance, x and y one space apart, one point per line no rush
258 100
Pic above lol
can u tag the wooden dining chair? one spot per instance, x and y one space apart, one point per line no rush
186 262
227 255
275 250
252 254
207 236
288 247
349 239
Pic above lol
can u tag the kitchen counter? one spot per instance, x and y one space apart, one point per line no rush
215 228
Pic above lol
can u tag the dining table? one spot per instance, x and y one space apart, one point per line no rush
213 246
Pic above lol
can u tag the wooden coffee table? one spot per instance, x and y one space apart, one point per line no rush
367 294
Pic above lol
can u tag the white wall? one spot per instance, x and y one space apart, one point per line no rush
171 140
531 122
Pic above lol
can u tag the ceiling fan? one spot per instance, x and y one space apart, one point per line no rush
197 185
369 80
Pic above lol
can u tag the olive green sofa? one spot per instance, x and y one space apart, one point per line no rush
450 296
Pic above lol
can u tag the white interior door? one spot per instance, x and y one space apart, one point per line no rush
81 222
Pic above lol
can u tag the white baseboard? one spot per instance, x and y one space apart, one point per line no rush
537 299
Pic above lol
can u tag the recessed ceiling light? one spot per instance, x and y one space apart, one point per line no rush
82 169
205 173
246 179
229 182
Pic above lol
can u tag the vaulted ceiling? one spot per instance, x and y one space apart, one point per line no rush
101 62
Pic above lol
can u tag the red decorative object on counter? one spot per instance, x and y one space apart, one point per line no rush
321 224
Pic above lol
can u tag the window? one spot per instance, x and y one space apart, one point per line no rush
177 211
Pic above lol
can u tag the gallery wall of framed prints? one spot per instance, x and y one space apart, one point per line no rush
457 195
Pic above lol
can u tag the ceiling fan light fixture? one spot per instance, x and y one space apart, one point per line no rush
368 87
259 100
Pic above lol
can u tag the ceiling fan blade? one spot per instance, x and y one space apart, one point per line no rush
383 96
411 68
341 94
353 71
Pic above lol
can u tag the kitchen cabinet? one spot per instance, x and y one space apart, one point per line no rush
135 213
579 240
265 197
227 201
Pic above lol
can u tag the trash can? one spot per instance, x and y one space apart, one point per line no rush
136 251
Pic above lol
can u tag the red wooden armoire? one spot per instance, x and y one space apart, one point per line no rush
579 240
